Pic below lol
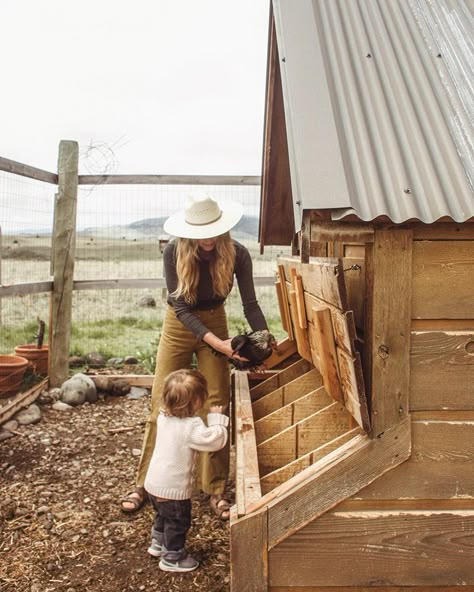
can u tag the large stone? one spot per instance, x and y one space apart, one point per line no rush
78 389
31 414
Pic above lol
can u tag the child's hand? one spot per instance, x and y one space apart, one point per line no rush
215 409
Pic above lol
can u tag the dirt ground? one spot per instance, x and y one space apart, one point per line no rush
61 527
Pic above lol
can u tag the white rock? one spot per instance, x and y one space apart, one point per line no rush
78 389
31 414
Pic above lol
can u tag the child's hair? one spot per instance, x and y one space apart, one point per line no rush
184 392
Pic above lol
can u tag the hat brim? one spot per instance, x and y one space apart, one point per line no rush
176 225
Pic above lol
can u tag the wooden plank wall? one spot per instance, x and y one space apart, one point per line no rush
413 528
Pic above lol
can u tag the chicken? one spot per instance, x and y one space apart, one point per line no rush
256 347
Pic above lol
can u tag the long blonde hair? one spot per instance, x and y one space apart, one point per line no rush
221 267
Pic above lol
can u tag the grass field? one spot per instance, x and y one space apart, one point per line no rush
108 321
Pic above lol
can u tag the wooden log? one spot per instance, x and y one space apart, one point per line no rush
247 471
64 243
444 269
442 370
342 232
336 477
143 380
388 281
280 378
363 548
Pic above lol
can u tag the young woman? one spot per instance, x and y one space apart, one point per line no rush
199 267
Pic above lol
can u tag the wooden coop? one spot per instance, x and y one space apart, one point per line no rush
355 462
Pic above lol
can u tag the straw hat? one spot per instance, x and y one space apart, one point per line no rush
203 218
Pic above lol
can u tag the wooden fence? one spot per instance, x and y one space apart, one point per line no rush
63 284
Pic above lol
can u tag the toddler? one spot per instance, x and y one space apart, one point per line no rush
180 435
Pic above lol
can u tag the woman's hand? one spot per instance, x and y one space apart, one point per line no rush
222 346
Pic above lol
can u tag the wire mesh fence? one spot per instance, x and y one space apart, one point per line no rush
119 238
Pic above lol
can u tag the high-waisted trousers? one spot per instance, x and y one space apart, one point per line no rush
175 351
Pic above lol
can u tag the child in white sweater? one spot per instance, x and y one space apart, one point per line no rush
169 480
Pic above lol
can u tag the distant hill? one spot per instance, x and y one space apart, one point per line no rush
153 228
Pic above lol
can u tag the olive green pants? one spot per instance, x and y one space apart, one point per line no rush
175 351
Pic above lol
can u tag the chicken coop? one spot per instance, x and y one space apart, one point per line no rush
355 456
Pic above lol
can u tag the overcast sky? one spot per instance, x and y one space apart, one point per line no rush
154 86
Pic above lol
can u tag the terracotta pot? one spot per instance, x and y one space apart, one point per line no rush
12 369
38 356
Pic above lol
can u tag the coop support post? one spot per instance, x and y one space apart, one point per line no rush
64 245
388 322
249 552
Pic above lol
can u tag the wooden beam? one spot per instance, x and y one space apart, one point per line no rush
247 471
64 241
388 282
143 380
340 232
337 477
169 180
22 400
285 304
301 335
25 170
328 364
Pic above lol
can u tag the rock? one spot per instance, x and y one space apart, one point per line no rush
130 360
78 389
120 388
136 392
60 406
10 426
76 361
4 435
147 302
31 414
95 360
115 361
49 396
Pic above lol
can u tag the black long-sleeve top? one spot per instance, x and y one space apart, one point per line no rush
206 299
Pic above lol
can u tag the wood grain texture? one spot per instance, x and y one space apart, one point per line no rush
440 466
384 548
336 477
301 334
387 334
287 393
442 370
443 276
322 277
283 377
248 552
64 245
371 588
247 472
283 475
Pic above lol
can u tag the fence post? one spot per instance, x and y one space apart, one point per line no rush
63 254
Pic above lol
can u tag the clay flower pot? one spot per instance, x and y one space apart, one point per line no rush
38 356
12 369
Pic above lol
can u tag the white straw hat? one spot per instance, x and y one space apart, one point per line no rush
203 218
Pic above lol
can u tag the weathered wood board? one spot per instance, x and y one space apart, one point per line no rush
385 547
440 466
443 277
442 370
280 379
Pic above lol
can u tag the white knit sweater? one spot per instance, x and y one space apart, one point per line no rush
170 473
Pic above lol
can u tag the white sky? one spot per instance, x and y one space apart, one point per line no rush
157 86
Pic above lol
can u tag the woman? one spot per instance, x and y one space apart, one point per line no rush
199 268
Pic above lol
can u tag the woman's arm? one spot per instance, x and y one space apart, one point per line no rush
244 274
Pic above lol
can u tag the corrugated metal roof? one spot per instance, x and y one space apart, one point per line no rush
379 106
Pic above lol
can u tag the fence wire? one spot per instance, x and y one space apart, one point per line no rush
119 237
